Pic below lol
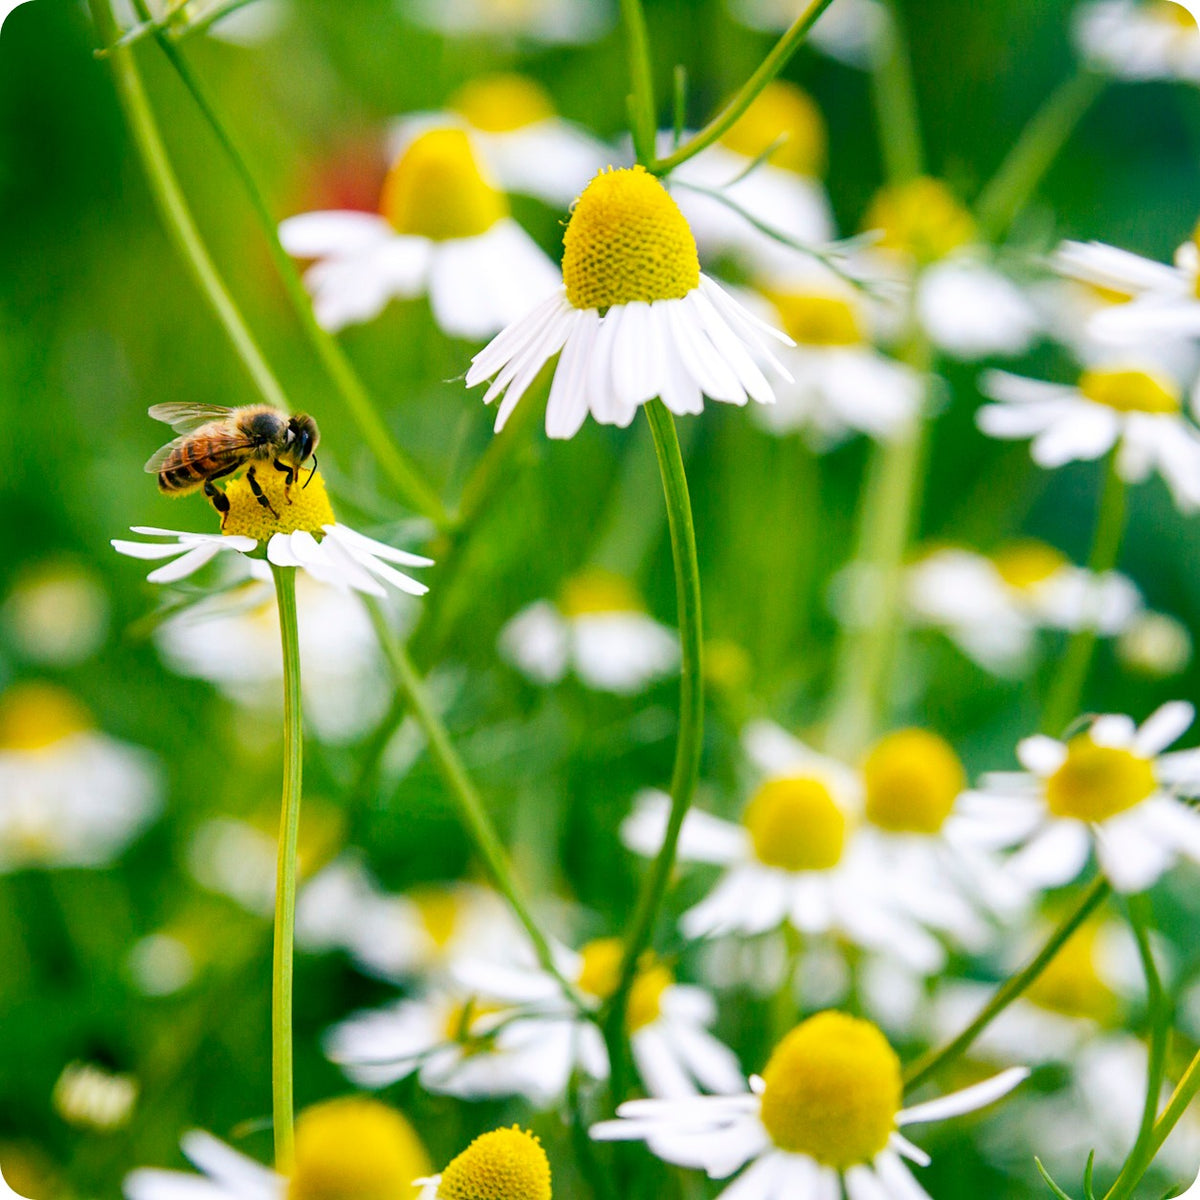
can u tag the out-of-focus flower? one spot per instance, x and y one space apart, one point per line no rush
1109 786
1155 644
826 1113
598 628
90 1097
70 796
548 21
6 1193
1139 39
635 319
521 141
443 228
56 614
161 964
506 1164
1138 412
852 31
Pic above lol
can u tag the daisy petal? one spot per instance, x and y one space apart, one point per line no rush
964 1101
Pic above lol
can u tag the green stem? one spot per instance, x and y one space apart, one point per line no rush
1062 705
691 718
1011 989
285 877
783 50
1034 152
894 95
643 109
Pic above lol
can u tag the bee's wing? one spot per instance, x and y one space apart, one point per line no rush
155 462
184 418
220 446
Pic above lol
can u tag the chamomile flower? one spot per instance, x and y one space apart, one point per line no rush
598 628
825 1114
299 530
1108 786
70 796
89 1096
506 1164
443 229
56 614
1156 644
1139 39
852 31
635 319
551 22
1135 411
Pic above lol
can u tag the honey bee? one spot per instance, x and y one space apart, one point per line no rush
215 441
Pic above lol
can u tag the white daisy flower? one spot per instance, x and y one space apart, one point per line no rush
70 796
552 22
506 1164
599 629
521 141
443 229
89 1096
305 534
1109 786
1139 39
1155 644
57 613
825 1114
635 319
1135 411
852 31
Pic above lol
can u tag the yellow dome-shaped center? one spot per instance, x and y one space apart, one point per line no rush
921 218
36 716
502 103
305 505
795 824
595 590
912 778
355 1149
1097 782
785 114
506 1164
601 972
627 241
1130 391
1070 984
1173 14
812 319
1023 565
833 1091
436 190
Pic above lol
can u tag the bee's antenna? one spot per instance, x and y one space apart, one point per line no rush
311 473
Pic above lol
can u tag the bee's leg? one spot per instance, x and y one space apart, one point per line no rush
289 478
259 494
220 501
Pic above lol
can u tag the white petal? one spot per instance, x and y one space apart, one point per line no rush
1129 854
965 1100
191 562
1113 729
319 234
1040 754
1163 727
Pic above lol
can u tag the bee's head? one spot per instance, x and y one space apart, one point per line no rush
302 438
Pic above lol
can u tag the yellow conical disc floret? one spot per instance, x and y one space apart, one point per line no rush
436 190
814 319
785 114
1025 564
920 218
502 103
355 1149
506 1164
833 1091
627 241
1130 391
305 505
1097 782
795 824
36 716
601 972
1070 984
912 778
596 590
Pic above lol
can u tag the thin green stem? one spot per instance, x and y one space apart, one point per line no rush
643 111
285 876
691 719
778 58
1062 705
893 92
1011 989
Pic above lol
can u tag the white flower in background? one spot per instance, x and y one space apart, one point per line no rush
1109 786
599 629
1134 411
1139 39
247 25
56 613
992 607
825 1114
506 1164
635 319
443 229
90 1097
70 796
783 192
549 21
521 141
1155 644
852 31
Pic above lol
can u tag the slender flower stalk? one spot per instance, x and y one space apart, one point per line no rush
1158 1013
643 111
894 96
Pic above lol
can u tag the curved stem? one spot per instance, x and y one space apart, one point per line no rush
1011 989
285 876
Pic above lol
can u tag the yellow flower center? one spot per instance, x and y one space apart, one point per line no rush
1130 391
727 666
785 114
502 103
1097 782
912 779
1023 565
794 824
601 972
627 241
305 505
815 320
506 1164
462 1026
921 218
36 716
595 590
1070 984
355 1149
440 910
833 1091
1173 14
436 190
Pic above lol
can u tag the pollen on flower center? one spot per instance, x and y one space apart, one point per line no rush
1070 985
795 824
1130 391
833 1090
595 590
502 103
601 972
1097 782
355 1149
305 505
912 779
35 716
436 190
506 1164
627 241
1023 565
782 113
812 319
921 218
